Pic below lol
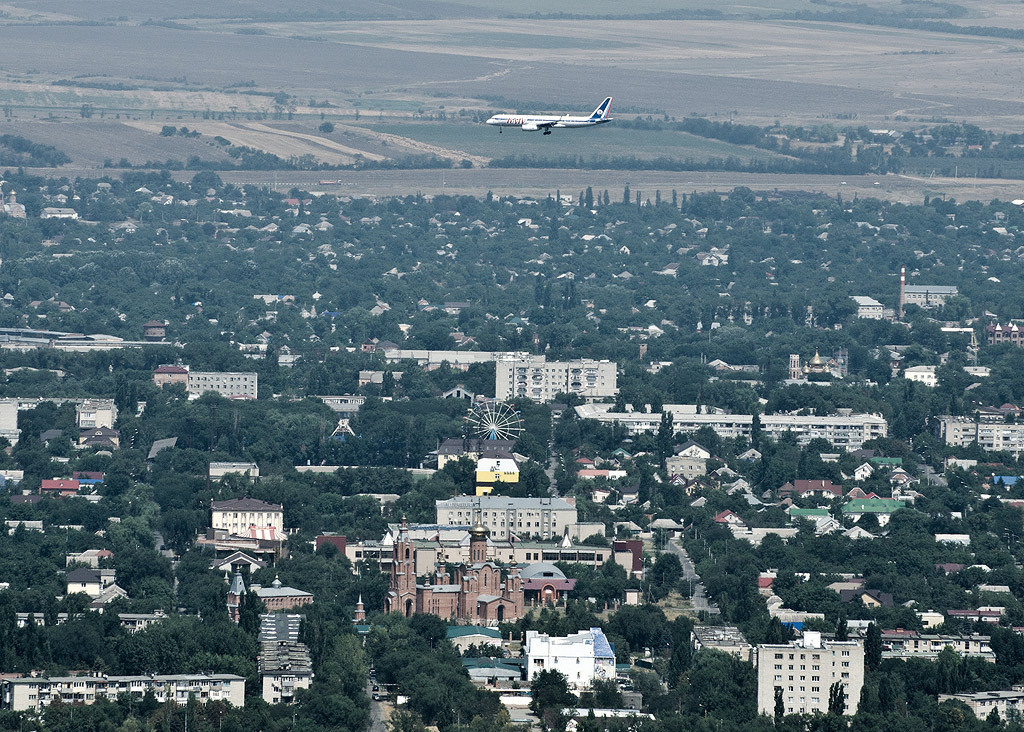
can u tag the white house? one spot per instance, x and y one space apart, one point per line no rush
581 657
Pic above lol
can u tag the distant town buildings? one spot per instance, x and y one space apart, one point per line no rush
844 430
535 378
237 515
480 592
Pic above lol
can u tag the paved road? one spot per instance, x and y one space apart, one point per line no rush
545 181
699 599
378 714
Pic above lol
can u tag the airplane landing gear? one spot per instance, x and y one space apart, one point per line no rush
547 132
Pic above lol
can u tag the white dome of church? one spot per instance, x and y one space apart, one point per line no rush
542 570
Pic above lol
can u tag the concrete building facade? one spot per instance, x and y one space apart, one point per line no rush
957 431
229 384
35 693
536 378
805 670
502 515
845 430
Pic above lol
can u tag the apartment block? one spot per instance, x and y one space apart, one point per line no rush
805 670
844 430
35 693
983 703
93 413
536 378
543 517
229 384
991 437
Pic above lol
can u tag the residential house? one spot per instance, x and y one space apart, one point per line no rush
811 489
882 508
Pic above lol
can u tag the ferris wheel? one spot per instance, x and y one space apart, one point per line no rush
494 421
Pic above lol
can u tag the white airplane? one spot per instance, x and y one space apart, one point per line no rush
534 122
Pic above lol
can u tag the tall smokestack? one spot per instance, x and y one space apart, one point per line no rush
903 289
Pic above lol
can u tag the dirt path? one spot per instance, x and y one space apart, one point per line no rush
283 143
478 161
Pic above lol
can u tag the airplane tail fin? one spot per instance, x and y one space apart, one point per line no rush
602 111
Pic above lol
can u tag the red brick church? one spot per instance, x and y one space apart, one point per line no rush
481 592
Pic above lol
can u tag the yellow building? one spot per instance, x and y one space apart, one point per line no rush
494 469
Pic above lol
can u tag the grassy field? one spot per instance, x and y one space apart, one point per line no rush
605 142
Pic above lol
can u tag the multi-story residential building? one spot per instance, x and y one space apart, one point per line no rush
534 377
844 430
229 384
284 660
93 413
904 644
35 693
991 436
1006 703
582 657
502 515
237 515
725 638
431 360
134 622
805 670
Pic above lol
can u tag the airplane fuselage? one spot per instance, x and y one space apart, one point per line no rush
533 122
546 122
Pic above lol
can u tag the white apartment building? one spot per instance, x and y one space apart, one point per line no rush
93 413
983 702
536 378
9 420
229 384
844 430
805 670
237 515
543 517
460 360
927 374
34 693
868 307
991 437
582 657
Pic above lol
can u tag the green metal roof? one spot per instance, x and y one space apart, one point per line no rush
873 505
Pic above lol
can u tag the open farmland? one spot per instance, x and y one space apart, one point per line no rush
606 142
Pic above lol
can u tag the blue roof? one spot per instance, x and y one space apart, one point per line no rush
1006 479
602 648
